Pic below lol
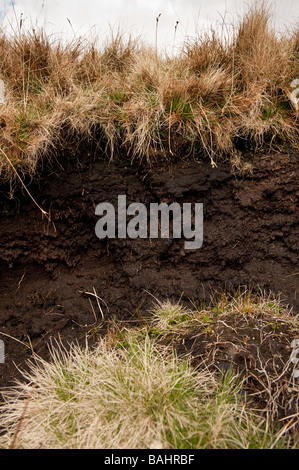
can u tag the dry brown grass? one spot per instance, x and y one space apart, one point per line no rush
214 92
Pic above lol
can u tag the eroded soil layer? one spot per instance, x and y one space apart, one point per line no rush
49 269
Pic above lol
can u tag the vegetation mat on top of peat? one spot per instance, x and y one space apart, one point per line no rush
217 94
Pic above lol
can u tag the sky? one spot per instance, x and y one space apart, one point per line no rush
91 18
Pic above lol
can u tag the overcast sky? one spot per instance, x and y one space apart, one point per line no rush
136 16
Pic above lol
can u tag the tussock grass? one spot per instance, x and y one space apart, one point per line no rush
136 394
214 92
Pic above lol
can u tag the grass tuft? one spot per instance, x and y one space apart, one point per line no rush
140 395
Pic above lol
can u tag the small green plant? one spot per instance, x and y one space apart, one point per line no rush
206 317
180 106
275 327
166 315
